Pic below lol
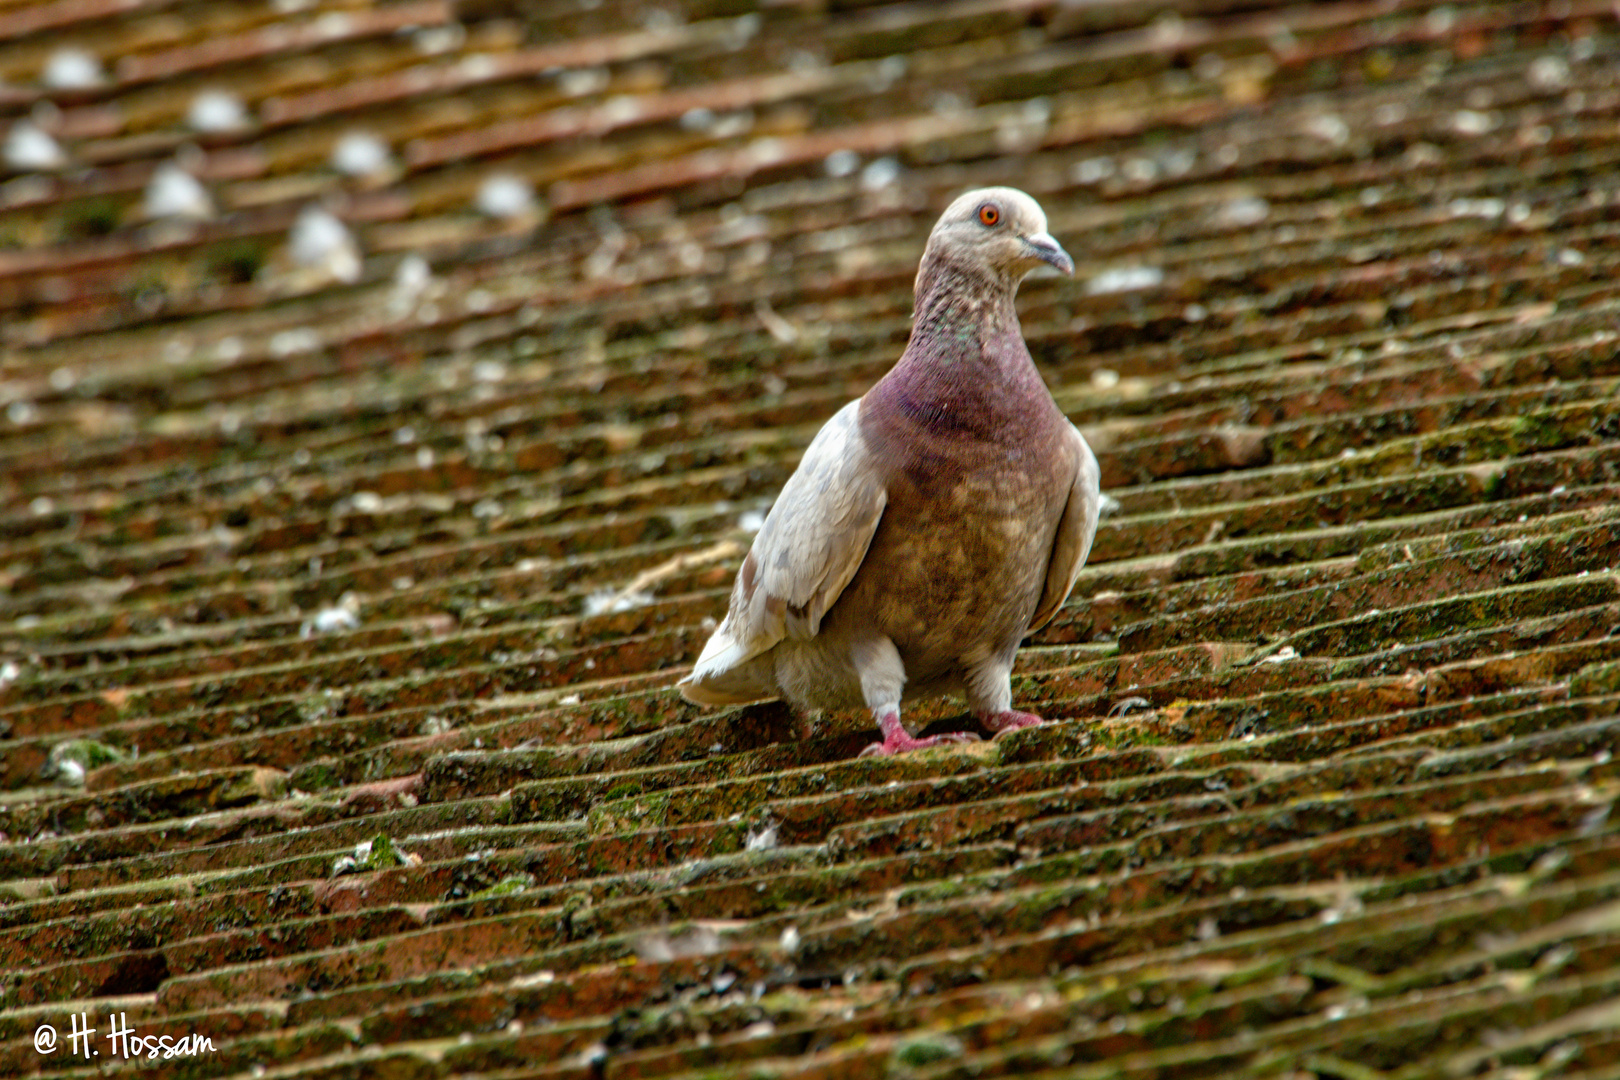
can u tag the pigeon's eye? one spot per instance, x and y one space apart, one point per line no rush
989 214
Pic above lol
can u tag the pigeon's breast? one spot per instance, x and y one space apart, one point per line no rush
959 559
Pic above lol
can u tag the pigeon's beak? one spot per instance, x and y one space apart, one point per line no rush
1041 246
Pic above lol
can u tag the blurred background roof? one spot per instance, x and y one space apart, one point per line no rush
388 393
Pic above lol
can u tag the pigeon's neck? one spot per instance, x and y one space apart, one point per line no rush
965 329
966 369
953 299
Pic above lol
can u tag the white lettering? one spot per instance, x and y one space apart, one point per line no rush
128 1043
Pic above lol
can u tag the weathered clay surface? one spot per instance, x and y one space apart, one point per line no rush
341 595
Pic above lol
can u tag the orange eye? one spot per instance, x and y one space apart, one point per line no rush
989 214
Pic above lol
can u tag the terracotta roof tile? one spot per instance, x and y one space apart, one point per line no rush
339 613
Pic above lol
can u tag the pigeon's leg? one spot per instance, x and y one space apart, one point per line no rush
989 694
897 741
883 676
1010 720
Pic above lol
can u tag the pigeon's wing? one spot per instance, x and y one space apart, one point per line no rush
809 548
1074 534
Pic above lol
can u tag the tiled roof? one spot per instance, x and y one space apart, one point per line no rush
357 514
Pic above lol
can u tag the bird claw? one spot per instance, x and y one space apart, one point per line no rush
901 743
1010 720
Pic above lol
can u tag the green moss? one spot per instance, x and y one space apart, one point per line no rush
87 752
237 261
70 760
510 885
579 916
501 810
630 815
378 853
1150 736
1596 680
1115 736
26 889
926 1049
318 707
937 892
1327 970
89 218
315 776
384 853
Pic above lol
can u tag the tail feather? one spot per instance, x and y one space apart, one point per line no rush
726 673
720 654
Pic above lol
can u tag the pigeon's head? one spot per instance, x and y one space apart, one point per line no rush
998 229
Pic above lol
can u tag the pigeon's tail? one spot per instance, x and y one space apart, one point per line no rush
725 674
711 694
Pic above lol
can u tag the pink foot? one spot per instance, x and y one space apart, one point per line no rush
897 741
1010 720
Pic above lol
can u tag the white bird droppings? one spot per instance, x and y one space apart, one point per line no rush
175 193
216 111
1329 128
341 617
360 153
505 196
319 240
31 149
1245 210
1125 279
841 163
612 601
72 69
880 174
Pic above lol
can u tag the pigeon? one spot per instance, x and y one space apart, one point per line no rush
932 523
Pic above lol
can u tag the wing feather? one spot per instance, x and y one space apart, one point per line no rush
806 553
1075 533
